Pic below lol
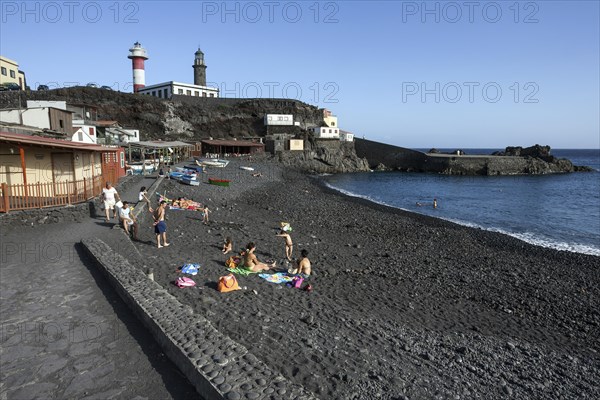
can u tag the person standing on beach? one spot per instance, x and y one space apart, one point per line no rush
109 194
205 212
434 203
289 245
143 196
160 226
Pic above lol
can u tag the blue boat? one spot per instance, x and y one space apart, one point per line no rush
189 180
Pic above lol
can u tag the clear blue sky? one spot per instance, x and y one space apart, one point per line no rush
434 74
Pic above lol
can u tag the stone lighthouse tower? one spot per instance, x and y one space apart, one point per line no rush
138 55
199 69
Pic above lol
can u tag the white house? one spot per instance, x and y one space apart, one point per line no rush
346 136
324 132
81 135
167 89
279 119
123 135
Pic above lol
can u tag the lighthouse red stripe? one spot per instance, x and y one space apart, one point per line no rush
138 63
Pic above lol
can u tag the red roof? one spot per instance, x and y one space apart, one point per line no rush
19 138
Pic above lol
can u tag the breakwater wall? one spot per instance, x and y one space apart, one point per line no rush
392 157
403 159
217 366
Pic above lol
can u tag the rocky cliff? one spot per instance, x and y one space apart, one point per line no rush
195 118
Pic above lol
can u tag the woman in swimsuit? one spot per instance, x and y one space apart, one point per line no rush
251 262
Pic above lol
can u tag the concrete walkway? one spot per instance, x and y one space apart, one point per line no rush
64 332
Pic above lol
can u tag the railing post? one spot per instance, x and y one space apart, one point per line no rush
68 190
5 198
39 196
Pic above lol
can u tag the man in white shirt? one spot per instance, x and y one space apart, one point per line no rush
108 194
128 220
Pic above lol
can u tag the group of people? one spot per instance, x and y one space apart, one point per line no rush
128 219
109 194
302 265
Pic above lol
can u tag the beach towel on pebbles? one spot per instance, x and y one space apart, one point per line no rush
191 269
241 271
279 277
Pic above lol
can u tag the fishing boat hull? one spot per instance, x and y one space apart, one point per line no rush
219 182
189 180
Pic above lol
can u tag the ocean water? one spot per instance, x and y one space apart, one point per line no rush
560 211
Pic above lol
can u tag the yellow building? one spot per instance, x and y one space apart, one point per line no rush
10 73
330 119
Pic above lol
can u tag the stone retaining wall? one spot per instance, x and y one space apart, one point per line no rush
218 367
74 213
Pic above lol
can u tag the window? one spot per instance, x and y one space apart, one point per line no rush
332 123
159 94
165 94
4 71
197 93
122 154
203 94
330 131
212 95
179 91
80 136
12 74
188 92
154 93
91 131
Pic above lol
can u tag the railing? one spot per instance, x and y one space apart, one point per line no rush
50 194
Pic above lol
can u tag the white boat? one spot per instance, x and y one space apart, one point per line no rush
213 163
148 166
247 168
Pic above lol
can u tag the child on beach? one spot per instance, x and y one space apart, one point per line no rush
205 212
228 245
289 245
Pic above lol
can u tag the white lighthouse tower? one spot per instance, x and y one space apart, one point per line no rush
138 55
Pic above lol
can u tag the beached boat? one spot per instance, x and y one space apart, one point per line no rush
138 167
247 168
218 163
189 180
219 182
176 175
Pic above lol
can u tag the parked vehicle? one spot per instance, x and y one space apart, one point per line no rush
43 87
9 86
93 85
106 87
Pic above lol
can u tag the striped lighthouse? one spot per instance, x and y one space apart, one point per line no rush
138 55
